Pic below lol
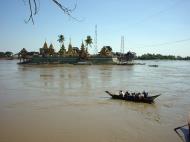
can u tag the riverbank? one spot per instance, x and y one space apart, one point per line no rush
7 58
92 60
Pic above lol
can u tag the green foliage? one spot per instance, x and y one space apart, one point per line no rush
2 54
109 48
62 50
149 56
6 54
83 53
23 53
129 56
186 58
82 46
106 51
88 41
61 38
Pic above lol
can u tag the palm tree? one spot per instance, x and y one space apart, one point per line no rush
61 39
62 50
82 53
88 41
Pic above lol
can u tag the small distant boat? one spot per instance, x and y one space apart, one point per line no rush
153 65
148 99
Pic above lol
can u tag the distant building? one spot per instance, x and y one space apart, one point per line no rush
76 50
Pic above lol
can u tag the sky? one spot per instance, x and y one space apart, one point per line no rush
149 26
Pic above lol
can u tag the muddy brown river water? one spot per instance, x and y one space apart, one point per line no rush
67 103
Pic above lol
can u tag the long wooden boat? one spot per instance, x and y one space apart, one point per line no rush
148 99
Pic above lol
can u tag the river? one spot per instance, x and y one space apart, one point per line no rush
67 103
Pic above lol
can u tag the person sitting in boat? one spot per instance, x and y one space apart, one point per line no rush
136 96
140 96
145 94
121 93
126 94
133 95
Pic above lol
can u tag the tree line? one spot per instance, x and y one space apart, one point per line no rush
6 54
150 56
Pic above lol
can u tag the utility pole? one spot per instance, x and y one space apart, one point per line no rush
96 40
122 47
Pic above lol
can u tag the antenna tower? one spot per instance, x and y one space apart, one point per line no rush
96 41
122 45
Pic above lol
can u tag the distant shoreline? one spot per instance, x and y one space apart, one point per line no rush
7 58
149 56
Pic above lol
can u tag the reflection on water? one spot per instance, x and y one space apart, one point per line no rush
67 103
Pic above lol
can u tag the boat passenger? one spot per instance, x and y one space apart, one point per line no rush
140 96
126 94
133 96
145 94
129 95
121 93
136 96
